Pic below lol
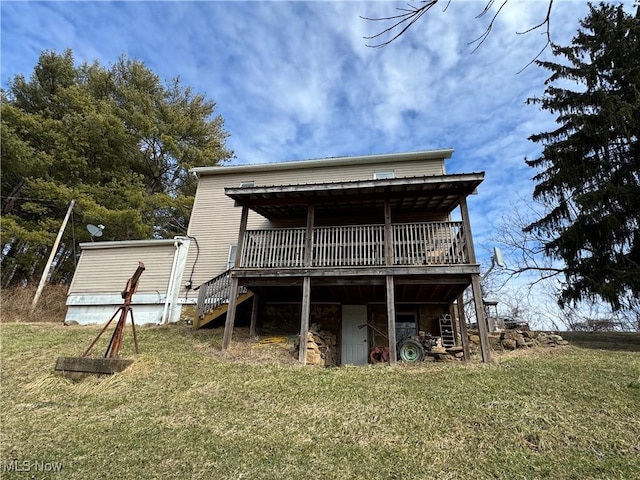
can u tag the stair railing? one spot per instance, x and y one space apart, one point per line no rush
215 293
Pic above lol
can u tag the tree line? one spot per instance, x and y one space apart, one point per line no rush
116 139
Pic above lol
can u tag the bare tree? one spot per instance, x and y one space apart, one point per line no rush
531 282
396 25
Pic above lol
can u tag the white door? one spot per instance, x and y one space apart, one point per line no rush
354 340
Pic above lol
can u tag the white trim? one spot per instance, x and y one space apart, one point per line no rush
130 243
114 299
326 162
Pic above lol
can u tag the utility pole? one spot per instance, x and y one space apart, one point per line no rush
54 250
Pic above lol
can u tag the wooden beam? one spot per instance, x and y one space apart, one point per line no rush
430 273
454 325
304 319
254 315
483 329
91 365
391 320
464 336
388 234
241 231
481 318
466 182
231 313
308 241
468 238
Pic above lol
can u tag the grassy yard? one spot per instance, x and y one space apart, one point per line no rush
186 410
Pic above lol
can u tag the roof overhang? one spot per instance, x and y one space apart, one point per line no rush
434 193
326 162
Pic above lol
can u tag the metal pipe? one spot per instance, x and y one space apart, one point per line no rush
165 318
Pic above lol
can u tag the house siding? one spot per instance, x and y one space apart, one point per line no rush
215 220
107 270
104 269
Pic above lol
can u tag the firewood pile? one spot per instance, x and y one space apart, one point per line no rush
322 347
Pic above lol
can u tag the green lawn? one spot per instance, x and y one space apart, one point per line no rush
186 410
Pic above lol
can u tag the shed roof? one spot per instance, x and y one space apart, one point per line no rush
434 193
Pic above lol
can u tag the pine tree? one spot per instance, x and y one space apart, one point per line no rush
589 169
116 140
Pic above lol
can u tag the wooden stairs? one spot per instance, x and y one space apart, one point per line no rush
213 299
219 311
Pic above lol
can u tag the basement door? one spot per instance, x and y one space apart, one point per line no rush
354 340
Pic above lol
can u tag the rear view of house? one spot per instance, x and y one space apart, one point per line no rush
365 246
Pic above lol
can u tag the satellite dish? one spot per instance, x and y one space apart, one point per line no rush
497 257
95 231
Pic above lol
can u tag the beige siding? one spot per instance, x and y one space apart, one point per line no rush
215 219
343 173
103 271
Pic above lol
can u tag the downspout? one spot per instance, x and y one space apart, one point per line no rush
165 318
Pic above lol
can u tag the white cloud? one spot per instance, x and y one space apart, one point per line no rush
295 80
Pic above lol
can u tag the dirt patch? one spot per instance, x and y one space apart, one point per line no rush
264 349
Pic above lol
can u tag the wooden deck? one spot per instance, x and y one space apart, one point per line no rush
434 243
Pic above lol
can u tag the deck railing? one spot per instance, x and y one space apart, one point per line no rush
433 243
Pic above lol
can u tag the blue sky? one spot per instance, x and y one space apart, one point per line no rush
295 80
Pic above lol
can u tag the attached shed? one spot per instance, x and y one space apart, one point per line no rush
104 268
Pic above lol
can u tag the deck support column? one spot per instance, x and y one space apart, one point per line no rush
308 241
483 329
462 322
305 311
254 315
231 313
388 235
391 319
391 296
304 319
233 288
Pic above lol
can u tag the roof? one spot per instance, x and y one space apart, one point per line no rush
130 243
326 162
434 193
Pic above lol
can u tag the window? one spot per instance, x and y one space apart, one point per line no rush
384 174
406 325
247 184
231 259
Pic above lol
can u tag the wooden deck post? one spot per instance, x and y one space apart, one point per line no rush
391 296
388 234
391 319
308 241
233 289
231 313
464 337
304 319
483 329
254 315
243 228
305 311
